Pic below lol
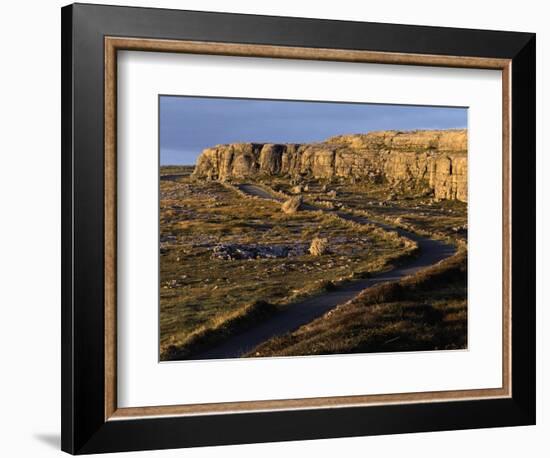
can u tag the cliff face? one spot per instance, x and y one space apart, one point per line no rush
433 158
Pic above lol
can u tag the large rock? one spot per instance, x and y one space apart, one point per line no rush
292 205
319 246
433 158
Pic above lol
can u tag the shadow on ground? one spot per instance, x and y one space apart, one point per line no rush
51 439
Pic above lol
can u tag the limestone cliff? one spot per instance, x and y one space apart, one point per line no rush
433 158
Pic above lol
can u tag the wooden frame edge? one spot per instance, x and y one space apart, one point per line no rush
110 202
111 46
291 52
507 227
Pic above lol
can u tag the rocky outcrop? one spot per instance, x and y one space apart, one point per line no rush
436 159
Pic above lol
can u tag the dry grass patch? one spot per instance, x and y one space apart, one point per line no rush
426 311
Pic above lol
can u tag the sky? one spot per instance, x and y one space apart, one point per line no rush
190 124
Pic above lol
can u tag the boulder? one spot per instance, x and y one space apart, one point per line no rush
319 246
292 205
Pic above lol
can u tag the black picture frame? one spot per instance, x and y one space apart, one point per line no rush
84 428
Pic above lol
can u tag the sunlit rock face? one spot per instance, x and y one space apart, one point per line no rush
434 158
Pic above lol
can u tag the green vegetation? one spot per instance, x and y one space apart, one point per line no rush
426 311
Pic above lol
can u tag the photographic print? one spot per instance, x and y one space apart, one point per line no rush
301 228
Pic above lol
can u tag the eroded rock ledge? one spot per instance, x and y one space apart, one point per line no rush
436 159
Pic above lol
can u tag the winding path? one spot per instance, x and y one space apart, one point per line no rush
302 312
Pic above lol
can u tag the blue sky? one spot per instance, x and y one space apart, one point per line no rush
190 124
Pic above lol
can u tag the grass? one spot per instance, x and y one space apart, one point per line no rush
176 170
203 300
413 208
426 311
219 327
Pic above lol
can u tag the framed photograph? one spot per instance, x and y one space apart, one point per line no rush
284 228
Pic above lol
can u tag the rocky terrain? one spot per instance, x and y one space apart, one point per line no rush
242 249
432 159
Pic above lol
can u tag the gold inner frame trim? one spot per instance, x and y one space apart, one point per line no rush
114 44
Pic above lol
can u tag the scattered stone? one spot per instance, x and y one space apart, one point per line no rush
235 251
460 229
326 203
171 284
